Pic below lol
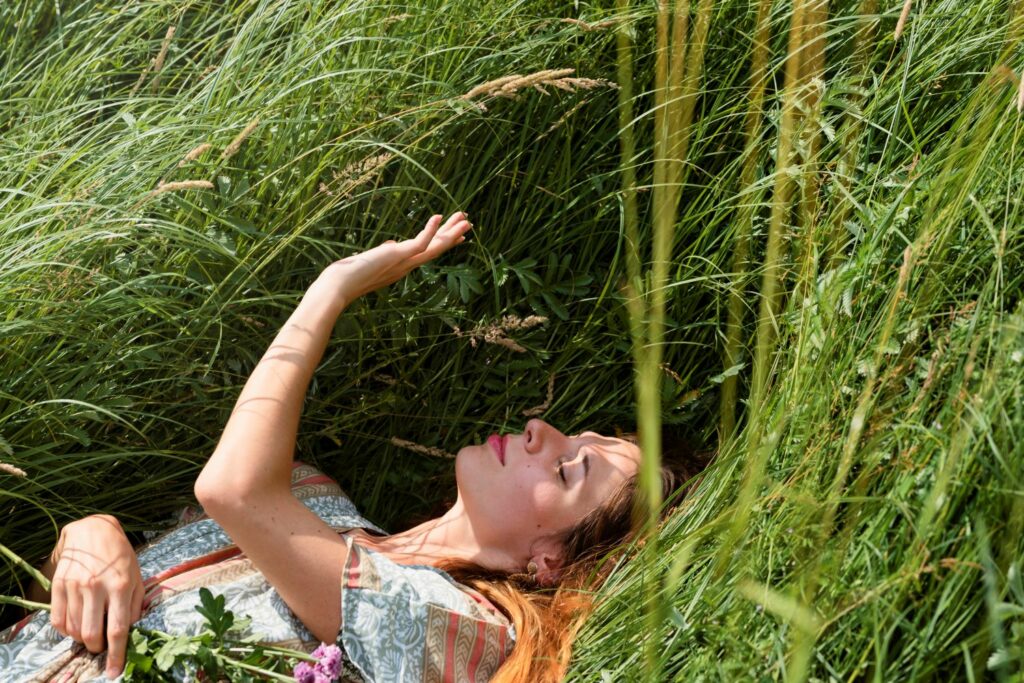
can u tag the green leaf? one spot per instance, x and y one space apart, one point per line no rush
242 225
556 306
730 372
172 649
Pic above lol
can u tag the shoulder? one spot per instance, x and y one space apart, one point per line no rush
414 622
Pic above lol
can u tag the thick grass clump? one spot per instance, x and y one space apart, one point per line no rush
791 229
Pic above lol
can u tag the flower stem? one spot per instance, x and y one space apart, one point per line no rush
36 574
27 604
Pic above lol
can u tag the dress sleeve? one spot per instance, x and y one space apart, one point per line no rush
414 623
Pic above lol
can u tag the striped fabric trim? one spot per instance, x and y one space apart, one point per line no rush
459 648
158 583
309 482
359 570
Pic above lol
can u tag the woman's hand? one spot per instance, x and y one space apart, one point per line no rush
97 574
389 262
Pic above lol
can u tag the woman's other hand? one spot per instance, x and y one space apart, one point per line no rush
389 262
97 575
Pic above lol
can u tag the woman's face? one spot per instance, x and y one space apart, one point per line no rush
512 503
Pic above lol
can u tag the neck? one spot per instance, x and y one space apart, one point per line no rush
445 537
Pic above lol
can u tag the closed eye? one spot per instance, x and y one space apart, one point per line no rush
561 473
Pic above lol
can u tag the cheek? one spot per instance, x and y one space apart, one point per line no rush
543 497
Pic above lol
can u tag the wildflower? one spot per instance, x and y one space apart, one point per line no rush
326 669
330 660
304 673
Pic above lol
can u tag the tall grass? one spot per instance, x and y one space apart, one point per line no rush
832 292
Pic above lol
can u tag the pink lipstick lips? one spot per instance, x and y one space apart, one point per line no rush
498 444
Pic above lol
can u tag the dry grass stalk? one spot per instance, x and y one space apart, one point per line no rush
607 23
538 410
162 187
194 153
902 20
563 118
391 381
182 185
671 373
509 86
12 470
236 144
1020 94
419 448
396 17
495 334
159 63
142 77
357 173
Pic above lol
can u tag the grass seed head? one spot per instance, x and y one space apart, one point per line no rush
420 448
1020 93
539 410
159 63
12 470
902 20
509 86
236 144
194 154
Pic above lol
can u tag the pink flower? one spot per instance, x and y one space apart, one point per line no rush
327 668
330 660
304 673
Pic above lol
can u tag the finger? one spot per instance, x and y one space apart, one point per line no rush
58 605
455 218
422 240
118 621
442 242
138 595
73 617
93 602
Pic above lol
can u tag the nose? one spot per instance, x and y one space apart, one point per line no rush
537 434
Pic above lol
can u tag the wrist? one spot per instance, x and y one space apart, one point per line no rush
337 282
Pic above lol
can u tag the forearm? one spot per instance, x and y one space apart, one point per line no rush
255 451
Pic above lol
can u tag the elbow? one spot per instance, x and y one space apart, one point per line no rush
213 487
218 498
208 493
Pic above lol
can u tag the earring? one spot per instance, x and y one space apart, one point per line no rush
531 569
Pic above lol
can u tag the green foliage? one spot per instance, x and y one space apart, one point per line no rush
219 651
884 540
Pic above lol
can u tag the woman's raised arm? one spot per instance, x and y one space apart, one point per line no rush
245 486
255 452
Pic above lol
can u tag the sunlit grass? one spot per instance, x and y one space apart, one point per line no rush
863 294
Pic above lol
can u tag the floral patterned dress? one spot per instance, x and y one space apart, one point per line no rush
399 622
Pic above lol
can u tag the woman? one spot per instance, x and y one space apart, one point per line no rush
459 597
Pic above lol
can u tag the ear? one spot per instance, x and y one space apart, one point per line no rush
548 554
